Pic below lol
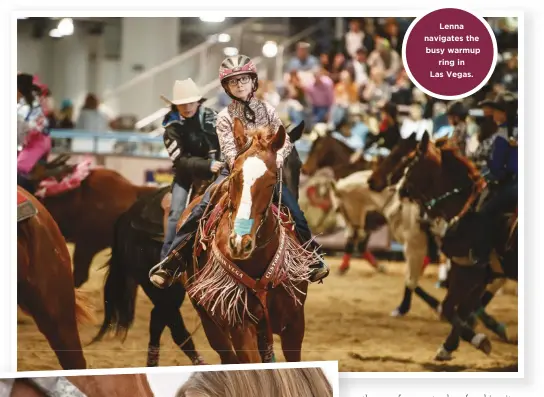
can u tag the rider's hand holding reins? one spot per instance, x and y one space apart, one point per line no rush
216 166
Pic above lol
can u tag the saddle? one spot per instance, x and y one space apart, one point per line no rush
149 217
25 208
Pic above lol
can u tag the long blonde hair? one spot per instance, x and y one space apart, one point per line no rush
286 382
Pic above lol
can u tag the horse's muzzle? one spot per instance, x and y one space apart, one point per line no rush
240 247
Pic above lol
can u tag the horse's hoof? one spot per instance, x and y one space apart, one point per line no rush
481 342
443 355
398 313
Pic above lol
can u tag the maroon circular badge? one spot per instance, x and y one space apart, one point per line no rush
449 53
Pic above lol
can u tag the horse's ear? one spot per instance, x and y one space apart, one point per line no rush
239 134
278 140
424 144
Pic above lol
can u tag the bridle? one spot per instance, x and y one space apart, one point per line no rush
264 214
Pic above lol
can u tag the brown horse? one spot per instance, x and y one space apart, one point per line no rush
252 278
449 187
87 214
45 285
327 151
92 386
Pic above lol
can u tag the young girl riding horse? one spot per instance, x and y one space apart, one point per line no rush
238 76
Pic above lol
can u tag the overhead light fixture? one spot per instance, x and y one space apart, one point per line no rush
230 51
212 19
55 33
223 38
66 26
270 49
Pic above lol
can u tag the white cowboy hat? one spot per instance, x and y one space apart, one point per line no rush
184 91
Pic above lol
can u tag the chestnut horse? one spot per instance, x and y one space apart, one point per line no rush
135 385
45 285
86 215
251 280
449 187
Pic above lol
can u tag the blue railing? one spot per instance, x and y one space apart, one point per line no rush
129 143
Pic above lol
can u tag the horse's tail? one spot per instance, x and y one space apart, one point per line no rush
85 311
120 287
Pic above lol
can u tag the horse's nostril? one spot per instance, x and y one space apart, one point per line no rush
247 246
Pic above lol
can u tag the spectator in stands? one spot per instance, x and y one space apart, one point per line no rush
325 61
370 33
377 92
321 95
510 73
354 38
457 114
386 59
303 60
392 35
66 115
296 98
91 119
358 67
345 94
339 64
401 92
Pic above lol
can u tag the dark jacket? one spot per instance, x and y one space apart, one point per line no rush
387 138
189 142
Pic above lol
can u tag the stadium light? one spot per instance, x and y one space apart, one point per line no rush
230 51
66 26
270 49
212 19
223 38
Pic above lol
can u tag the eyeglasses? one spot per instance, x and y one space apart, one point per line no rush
234 82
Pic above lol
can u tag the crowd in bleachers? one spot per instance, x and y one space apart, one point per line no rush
361 81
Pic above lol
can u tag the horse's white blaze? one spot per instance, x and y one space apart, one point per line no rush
252 170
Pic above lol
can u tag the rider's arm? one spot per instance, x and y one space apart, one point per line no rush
225 133
184 163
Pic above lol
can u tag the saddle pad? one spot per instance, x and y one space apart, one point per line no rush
25 208
52 187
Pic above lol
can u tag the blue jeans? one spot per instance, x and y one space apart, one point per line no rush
320 113
191 223
179 200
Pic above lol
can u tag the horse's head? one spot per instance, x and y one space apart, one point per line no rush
438 178
386 172
326 151
251 186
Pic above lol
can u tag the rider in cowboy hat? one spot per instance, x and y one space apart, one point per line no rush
502 165
192 144
238 76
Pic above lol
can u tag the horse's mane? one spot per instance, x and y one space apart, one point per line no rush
458 166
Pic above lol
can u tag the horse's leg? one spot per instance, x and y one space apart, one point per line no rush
157 323
84 252
245 342
367 255
219 340
292 336
56 319
182 337
348 251
487 320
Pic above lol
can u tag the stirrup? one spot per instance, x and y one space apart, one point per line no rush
167 275
319 273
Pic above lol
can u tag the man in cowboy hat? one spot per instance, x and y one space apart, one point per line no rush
193 147
502 165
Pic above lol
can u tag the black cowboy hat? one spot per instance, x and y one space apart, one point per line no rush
457 108
503 101
25 83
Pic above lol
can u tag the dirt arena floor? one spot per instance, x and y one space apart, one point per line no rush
347 319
